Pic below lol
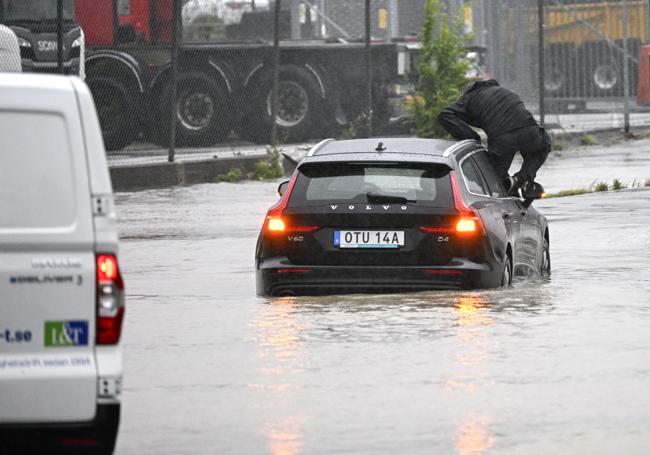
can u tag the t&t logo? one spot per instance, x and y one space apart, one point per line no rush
66 333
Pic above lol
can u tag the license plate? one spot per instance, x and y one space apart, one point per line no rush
369 239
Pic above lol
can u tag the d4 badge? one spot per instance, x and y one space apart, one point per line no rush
66 333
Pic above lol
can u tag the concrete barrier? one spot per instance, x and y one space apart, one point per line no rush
163 175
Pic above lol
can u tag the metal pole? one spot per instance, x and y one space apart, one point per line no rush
626 70
59 36
368 70
276 73
646 38
540 57
394 19
176 31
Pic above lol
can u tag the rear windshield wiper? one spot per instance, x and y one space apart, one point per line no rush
387 198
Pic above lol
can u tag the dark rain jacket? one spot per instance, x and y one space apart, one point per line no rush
486 105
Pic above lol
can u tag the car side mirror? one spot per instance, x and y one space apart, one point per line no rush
282 188
532 191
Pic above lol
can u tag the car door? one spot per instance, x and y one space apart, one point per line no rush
509 211
530 224
500 219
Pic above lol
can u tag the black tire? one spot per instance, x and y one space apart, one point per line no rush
116 111
299 110
203 111
545 267
506 276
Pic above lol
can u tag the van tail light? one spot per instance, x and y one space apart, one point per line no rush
469 222
110 300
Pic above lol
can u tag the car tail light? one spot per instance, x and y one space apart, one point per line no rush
469 221
436 230
284 271
110 299
465 224
443 272
275 223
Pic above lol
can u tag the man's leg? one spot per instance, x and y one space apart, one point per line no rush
502 151
534 147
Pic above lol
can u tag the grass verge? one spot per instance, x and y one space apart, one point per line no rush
597 187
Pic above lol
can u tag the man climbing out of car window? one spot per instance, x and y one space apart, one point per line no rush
509 126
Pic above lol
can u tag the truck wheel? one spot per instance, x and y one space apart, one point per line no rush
201 111
299 101
115 110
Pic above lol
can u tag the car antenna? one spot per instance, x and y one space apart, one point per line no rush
380 147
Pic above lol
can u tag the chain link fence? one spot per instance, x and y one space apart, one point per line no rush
322 68
591 58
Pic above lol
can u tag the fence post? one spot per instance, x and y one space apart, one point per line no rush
540 56
368 69
176 29
59 36
626 70
276 73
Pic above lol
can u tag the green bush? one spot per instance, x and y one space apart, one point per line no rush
442 67
601 186
266 170
232 176
588 139
617 185
647 182
558 144
269 168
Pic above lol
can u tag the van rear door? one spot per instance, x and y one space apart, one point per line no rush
47 262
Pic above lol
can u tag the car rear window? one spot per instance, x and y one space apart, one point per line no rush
36 173
419 183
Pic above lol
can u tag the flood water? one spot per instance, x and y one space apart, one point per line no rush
557 366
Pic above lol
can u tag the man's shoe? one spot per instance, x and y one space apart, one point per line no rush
512 184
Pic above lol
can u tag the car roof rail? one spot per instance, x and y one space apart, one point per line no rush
456 147
319 146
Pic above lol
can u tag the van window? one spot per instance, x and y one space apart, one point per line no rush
36 171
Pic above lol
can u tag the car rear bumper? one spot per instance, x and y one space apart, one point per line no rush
95 436
275 278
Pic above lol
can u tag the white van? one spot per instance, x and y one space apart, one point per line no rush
9 51
61 292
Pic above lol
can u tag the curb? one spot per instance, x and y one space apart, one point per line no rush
165 175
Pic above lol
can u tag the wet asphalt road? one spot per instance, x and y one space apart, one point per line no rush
557 366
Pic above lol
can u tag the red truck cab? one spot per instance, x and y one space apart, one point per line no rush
112 22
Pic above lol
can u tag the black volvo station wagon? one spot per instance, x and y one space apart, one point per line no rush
394 215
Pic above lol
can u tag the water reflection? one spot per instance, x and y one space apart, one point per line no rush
281 357
474 436
285 437
472 356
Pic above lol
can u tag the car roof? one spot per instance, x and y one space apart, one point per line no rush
383 149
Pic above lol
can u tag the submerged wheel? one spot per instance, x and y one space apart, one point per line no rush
115 110
546 258
506 277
